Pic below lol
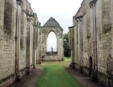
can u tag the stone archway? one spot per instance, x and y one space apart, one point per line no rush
51 26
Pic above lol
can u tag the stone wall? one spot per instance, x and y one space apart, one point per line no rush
18 47
7 40
93 40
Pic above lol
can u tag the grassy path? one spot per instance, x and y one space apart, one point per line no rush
54 75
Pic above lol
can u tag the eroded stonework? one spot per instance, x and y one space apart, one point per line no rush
18 40
93 42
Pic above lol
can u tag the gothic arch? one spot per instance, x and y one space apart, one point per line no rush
52 26
55 43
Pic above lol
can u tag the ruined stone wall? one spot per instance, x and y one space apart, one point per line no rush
94 20
7 38
105 58
17 22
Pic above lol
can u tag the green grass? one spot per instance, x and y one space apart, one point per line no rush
67 59
54 75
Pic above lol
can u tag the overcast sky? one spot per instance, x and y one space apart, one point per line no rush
62 10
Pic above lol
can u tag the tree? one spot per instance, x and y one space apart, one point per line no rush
67 51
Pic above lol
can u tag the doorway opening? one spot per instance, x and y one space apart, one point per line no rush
90 65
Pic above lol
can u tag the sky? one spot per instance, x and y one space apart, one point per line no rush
51 42
62 10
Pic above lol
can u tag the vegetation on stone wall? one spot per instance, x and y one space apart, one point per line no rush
107 28
67 51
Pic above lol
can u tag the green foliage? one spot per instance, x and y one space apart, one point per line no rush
35 25
32 15
67 51
55 75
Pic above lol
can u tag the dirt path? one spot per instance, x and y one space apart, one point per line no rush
28 80
84 80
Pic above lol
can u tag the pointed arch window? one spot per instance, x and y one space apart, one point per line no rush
52 42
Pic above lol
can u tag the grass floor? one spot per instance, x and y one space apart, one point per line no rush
55 75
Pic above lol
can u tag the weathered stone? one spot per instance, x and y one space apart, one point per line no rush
16 40
93 39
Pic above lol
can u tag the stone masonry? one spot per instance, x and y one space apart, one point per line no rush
93 42
18 40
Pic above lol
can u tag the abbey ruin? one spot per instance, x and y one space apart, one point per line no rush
23 41
91 40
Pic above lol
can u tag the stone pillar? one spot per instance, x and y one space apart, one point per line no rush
23 30
28 46
17 41
34 46
73 50
75 40
72 44
94 38
80 42
58 47
29 43
61 49
39 47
